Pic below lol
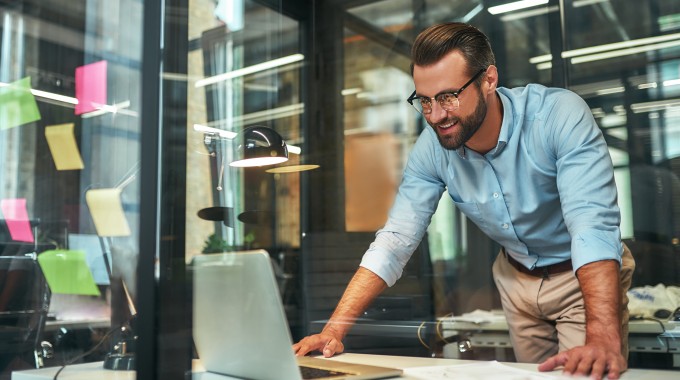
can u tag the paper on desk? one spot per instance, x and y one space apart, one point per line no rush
67 272
491 370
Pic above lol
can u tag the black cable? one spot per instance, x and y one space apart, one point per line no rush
663 328
93 349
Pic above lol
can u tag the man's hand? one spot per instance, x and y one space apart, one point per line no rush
360 292
325 342
600 285
590 359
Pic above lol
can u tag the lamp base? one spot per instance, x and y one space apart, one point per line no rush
120 362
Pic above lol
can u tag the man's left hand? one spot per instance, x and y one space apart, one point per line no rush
591 359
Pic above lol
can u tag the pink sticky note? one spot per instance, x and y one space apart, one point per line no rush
16 217
90 87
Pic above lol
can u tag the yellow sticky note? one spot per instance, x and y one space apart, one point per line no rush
107 213
62 143
67 272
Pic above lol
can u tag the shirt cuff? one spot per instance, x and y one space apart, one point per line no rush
379 262
589 246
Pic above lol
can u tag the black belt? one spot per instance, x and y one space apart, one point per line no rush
545 271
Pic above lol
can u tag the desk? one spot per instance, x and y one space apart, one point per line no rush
644 336
87 371
94 371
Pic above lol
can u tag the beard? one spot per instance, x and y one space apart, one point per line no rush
467 126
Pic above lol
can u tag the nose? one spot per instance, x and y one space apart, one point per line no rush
438 113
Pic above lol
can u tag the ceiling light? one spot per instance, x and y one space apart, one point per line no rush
49 95
250 70
620 53
620 45
646 85
529 13
658 105
514 6
599 52
220 132
607 91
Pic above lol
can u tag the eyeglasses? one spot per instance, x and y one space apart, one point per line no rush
447 100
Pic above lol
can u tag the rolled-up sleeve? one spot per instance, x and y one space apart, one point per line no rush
585 179
410 215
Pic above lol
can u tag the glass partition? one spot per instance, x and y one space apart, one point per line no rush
120 122
70 145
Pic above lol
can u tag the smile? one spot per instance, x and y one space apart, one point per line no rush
448 125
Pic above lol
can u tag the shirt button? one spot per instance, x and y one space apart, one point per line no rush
495 195
505 226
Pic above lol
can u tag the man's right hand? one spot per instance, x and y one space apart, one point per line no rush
324 342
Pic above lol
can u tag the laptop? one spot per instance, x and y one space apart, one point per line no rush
240 327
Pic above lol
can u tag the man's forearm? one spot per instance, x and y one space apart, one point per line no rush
360 293
600 285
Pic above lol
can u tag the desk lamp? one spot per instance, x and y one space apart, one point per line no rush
260 146
257 146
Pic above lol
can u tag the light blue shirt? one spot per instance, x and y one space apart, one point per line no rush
546 192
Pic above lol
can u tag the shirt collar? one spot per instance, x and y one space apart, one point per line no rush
505 133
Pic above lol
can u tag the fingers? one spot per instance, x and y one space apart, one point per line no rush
333 347
616 368
307 345
586 361
327 345
553 362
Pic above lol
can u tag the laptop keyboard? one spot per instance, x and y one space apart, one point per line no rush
318 373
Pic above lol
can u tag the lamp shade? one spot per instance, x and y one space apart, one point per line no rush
260 146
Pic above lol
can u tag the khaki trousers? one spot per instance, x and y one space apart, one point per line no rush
547 315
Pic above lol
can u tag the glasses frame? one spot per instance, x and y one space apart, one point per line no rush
438 98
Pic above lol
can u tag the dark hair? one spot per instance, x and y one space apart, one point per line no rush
433 43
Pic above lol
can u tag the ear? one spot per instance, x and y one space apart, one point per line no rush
490 81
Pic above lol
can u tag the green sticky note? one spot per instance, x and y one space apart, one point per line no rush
67 272
17 104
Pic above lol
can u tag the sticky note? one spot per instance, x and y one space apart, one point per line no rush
16 217
17 104
90 87
62 143
107 213
94 255
66 272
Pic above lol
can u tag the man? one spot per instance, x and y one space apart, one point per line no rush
530 167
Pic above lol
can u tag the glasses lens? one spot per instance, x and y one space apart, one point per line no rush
448 102
423 105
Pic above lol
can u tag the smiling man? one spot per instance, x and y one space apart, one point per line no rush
531 168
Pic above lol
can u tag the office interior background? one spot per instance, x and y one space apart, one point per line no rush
119 120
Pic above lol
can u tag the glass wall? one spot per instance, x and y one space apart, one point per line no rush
121 122
70 144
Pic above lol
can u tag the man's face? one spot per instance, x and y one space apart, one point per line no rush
453 128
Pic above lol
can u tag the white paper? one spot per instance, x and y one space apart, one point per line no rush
491 370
